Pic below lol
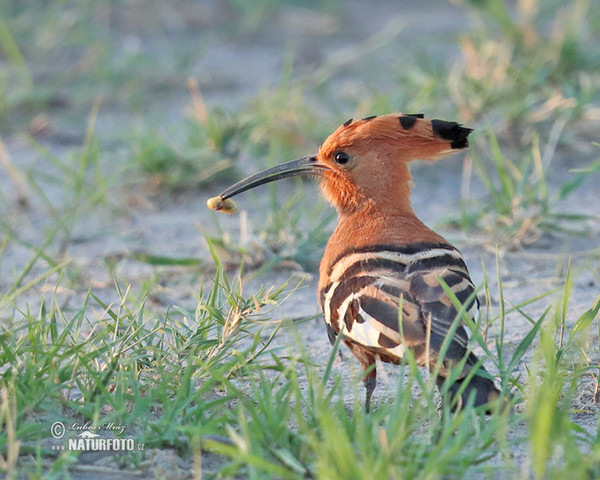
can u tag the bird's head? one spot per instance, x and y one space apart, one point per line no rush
364 163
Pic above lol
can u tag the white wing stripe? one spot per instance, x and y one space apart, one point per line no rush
402 258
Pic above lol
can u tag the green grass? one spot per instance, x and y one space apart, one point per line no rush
222 381
521 204
156 375
212 376
284 235
406 437
213 143
532 64
528 76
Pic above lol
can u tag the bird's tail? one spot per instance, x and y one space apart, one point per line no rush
483 390
479 386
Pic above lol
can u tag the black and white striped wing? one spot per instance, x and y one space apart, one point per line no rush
367 287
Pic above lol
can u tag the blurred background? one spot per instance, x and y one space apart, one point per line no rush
108 109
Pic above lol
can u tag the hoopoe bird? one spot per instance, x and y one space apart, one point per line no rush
382 273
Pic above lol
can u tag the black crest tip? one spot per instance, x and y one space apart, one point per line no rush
453 132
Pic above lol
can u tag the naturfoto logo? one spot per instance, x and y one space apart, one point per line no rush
86 438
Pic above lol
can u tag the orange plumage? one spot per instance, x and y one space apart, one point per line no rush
381 257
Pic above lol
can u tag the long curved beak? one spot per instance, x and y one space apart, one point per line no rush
302 166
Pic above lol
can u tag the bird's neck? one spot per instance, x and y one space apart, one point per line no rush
371 226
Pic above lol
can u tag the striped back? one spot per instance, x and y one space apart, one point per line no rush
365 288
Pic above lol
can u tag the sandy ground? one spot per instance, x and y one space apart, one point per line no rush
229 73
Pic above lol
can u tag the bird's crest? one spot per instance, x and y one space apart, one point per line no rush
411 137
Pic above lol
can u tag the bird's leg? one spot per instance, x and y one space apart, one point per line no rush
367 361
370 381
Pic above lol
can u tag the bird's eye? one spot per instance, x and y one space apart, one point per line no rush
342 158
